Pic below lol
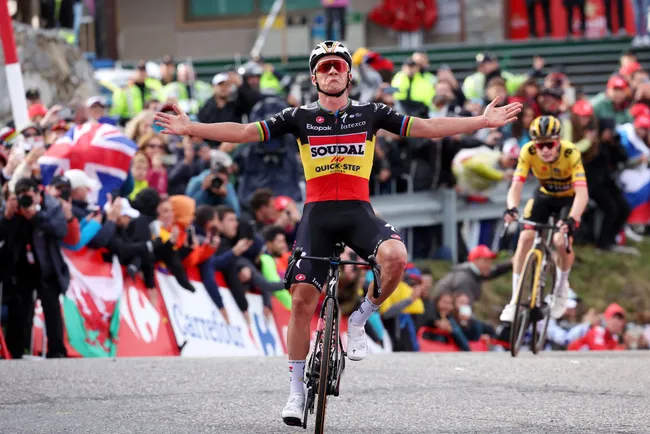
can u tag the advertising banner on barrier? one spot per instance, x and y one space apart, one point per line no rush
145 329
199 327
264 328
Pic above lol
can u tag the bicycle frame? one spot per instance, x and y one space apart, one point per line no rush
335 364
542 248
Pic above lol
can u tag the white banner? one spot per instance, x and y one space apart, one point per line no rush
199 327
264 328
201 330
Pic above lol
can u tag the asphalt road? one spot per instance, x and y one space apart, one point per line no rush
396 393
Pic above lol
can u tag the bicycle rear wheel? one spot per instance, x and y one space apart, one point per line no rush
323 378
527 282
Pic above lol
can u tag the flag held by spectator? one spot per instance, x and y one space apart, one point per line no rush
100 150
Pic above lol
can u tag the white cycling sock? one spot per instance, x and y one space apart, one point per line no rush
515 288
361 315
562 279
296 372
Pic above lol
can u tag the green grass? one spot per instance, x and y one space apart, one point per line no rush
598 278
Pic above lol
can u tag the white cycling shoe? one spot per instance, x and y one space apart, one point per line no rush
508 313
293 411
357 343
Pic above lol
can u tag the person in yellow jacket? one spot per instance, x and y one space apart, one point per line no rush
129 101
188 92
479 169
487 64
414 83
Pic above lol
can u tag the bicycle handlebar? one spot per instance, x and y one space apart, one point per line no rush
372 263
539 226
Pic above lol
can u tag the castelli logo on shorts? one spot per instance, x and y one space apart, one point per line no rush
320 119
300 277
397 237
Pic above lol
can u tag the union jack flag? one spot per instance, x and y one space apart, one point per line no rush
100 150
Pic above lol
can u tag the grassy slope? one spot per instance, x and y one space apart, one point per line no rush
599 278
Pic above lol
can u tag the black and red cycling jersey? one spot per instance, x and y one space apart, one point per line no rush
337 148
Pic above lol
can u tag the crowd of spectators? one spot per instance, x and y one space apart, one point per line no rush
234 207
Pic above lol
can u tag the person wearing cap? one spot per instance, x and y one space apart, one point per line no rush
603 336
569 328
32 227
221 106
96 106
469 276
487 64
189 93
129 101
249 92
614 102
479 169
414 83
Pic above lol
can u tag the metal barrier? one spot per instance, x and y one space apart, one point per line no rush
442 207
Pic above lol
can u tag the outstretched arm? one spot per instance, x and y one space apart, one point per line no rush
181 125
493 117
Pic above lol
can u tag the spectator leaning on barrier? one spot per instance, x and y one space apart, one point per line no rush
479 169
469 276
32 227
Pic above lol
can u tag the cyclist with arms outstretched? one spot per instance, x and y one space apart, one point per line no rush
557 165
336 139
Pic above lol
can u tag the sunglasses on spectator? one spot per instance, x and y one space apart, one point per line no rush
547 145
27 136
326 66
155 145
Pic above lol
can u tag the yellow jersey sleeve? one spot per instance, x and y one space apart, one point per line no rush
523 164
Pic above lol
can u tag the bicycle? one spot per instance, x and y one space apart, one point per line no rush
327 360
536 270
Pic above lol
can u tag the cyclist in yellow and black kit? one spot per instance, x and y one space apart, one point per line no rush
557 165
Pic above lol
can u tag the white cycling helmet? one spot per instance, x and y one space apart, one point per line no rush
326 48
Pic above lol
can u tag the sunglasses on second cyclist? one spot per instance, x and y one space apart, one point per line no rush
546 145
326 66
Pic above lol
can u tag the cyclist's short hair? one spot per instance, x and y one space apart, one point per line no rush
222 210
261 198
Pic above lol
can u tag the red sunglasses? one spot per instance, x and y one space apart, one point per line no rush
326 66
547 145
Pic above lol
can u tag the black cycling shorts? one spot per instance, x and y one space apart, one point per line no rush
542 206
323 224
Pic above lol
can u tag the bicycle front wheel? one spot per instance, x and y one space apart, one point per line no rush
323 378
539 335
527 283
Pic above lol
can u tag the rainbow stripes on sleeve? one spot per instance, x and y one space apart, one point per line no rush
405 130
263 129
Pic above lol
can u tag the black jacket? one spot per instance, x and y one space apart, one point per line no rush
49 229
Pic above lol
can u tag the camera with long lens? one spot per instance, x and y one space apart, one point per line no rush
217 183
25 201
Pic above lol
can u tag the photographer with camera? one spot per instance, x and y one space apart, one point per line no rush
61 189
212 187
32 227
